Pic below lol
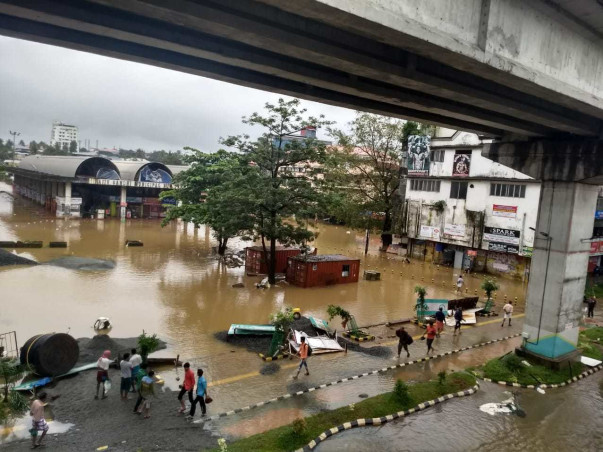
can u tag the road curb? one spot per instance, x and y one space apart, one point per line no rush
353 337
271 358
383 419
579 377
355 377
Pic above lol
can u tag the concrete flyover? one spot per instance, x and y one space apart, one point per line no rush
496 67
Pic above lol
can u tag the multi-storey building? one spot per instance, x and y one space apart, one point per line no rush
63 134
469 212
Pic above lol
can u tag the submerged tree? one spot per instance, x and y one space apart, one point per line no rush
213 191
365 169
281 194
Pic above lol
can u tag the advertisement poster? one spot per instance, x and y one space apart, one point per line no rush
455 230
461 164
418 155
598 214
596 247
503 247
430 232
510 236
499 210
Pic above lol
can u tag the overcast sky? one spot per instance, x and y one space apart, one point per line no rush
123 104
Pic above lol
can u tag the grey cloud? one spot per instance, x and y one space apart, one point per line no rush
120 103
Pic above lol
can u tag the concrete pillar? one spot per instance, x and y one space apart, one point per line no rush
558 276
67 199
123 203
61 189
571 170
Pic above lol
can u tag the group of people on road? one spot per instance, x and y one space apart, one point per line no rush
435 328
188 387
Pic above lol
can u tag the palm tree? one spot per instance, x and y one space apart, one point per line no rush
420 307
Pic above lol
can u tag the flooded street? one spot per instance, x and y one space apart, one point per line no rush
175 287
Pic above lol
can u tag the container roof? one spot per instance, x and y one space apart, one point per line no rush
324 258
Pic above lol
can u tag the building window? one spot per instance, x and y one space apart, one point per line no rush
425 185
458 190
437 156
508 190
345 271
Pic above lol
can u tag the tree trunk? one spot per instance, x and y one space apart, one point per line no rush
222 246
272 262
386 236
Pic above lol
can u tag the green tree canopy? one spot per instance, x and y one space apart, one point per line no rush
362 173
281 195
213 192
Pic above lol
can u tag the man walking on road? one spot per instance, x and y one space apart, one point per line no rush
458 317
201 394
404 341
440 318
303 355
508 310
431 334
187 386
459 284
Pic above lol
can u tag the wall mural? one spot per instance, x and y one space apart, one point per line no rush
154 175
107 173
461 164
418 155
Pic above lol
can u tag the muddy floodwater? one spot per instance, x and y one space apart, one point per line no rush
174 285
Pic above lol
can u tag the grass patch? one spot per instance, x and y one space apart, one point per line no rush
297 434
589 341
510 368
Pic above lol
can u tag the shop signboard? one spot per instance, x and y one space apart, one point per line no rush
527 251
596 247
418 155
493 234
499 210
456 230
430 232
433 305
461 164
598 214
503 247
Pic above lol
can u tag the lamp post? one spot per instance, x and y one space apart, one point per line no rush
14 134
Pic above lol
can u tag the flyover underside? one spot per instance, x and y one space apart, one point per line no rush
261 46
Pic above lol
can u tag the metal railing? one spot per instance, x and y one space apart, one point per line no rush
8 345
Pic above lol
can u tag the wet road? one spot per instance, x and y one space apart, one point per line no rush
564 419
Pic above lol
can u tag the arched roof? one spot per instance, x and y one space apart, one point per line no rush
64 165
130 169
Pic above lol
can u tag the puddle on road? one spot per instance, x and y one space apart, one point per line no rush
20 429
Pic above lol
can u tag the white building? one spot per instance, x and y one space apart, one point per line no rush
468 211
63 134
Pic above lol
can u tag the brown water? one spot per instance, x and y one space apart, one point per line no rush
175 287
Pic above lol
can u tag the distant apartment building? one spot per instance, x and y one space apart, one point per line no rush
469 212
63 134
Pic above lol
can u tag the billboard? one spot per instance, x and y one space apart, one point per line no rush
418 155
461 164
500 235
499 210
455 230
430 232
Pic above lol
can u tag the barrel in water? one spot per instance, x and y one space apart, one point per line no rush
50 354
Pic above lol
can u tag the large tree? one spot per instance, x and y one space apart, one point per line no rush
212 192
365 169
281 195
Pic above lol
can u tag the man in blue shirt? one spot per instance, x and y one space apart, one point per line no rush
201 393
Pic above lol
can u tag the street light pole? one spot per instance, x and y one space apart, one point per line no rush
14 134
